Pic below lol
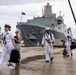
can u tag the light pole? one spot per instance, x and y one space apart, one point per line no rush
21 18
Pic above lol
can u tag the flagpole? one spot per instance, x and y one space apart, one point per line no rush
21 18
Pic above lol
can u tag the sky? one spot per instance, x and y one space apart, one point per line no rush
10 11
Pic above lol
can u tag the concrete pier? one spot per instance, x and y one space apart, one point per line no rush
32 66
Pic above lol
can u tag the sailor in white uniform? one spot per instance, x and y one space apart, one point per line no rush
68 44
8 45
47 41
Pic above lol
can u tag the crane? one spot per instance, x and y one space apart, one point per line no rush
72 11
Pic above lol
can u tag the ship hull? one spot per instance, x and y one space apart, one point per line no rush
26 30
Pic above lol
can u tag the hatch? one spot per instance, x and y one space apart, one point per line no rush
32 36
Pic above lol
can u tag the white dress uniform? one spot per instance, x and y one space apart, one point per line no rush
68 44
48 47
8 47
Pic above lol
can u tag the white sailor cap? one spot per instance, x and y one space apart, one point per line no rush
7 25
44 30
47 29
68 35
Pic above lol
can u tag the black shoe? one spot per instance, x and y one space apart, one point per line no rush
71 54
9 64
47 60
52 59
67 55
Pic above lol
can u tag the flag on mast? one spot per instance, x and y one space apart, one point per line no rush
23 13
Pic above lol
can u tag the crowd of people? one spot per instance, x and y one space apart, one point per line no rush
11 42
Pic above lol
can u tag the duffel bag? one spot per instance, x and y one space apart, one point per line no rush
15 56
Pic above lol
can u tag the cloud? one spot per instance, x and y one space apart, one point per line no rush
10 11
19 2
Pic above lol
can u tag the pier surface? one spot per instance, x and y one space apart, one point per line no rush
31 64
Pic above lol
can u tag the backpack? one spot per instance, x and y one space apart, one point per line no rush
15 56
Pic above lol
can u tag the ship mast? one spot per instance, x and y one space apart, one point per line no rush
72 11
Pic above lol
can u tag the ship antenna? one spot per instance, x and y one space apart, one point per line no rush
60 13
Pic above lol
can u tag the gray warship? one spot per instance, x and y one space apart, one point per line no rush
32 30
